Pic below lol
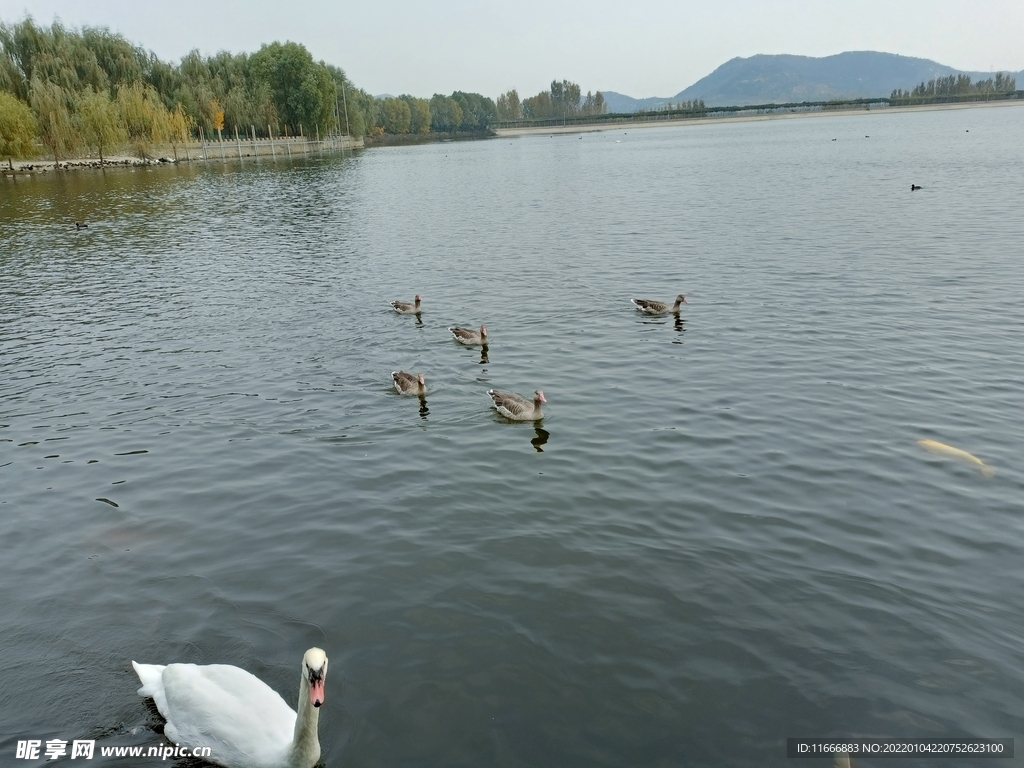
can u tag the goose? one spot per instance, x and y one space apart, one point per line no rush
408 383
659 307
518 408
245 723
405 308
469 336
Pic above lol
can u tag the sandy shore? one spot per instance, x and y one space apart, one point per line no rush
633 125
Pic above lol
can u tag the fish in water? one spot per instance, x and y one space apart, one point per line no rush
941 449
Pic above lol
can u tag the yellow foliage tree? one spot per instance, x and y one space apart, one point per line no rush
179 128
146 118
17 127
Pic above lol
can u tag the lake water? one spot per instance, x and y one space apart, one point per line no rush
723 533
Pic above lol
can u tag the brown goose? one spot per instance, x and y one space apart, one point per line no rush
409 383
405 308
659 307
518 408
469 336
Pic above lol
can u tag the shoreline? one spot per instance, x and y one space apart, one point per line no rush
28 167
637 124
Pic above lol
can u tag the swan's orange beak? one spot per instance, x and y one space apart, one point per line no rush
316 692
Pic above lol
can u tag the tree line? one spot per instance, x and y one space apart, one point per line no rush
957 85
563 100
90 89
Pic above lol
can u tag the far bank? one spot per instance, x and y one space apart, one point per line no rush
659 121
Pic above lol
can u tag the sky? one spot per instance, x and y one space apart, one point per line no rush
637 47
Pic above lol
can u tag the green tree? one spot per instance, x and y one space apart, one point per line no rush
420 114
146 119
478 112
397 116
55 113
508 105
17 127
539 107
445 114
594 104
103 127
302 90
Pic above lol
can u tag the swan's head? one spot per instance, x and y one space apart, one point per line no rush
314 672
538 395
682 298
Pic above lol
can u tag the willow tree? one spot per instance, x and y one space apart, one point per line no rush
179 128
55 113
145 117
17 128
103 126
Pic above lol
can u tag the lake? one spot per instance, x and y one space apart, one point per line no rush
722 534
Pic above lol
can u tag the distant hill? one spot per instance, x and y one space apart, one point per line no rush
783 78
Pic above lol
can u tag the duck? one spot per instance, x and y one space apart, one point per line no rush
81 225
914 187
659 307
405 308
408 383
518 408
243 721
469 336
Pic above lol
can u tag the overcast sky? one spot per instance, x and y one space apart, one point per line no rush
637 47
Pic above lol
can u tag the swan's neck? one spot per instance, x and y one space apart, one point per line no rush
305 743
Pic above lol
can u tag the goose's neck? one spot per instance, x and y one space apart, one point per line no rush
677 305
536 407
306 742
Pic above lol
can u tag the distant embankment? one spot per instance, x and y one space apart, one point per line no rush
611 120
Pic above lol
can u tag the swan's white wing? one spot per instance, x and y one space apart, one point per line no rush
241 719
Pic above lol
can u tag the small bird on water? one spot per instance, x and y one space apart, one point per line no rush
659 307
469 336
409 383
81 225
405 308
914 187
518 408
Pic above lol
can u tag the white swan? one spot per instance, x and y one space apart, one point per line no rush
245 723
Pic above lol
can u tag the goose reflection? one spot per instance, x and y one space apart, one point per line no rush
484 359
540 439
680 324
424 411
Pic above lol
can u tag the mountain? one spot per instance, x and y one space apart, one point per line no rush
620 103
783 78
